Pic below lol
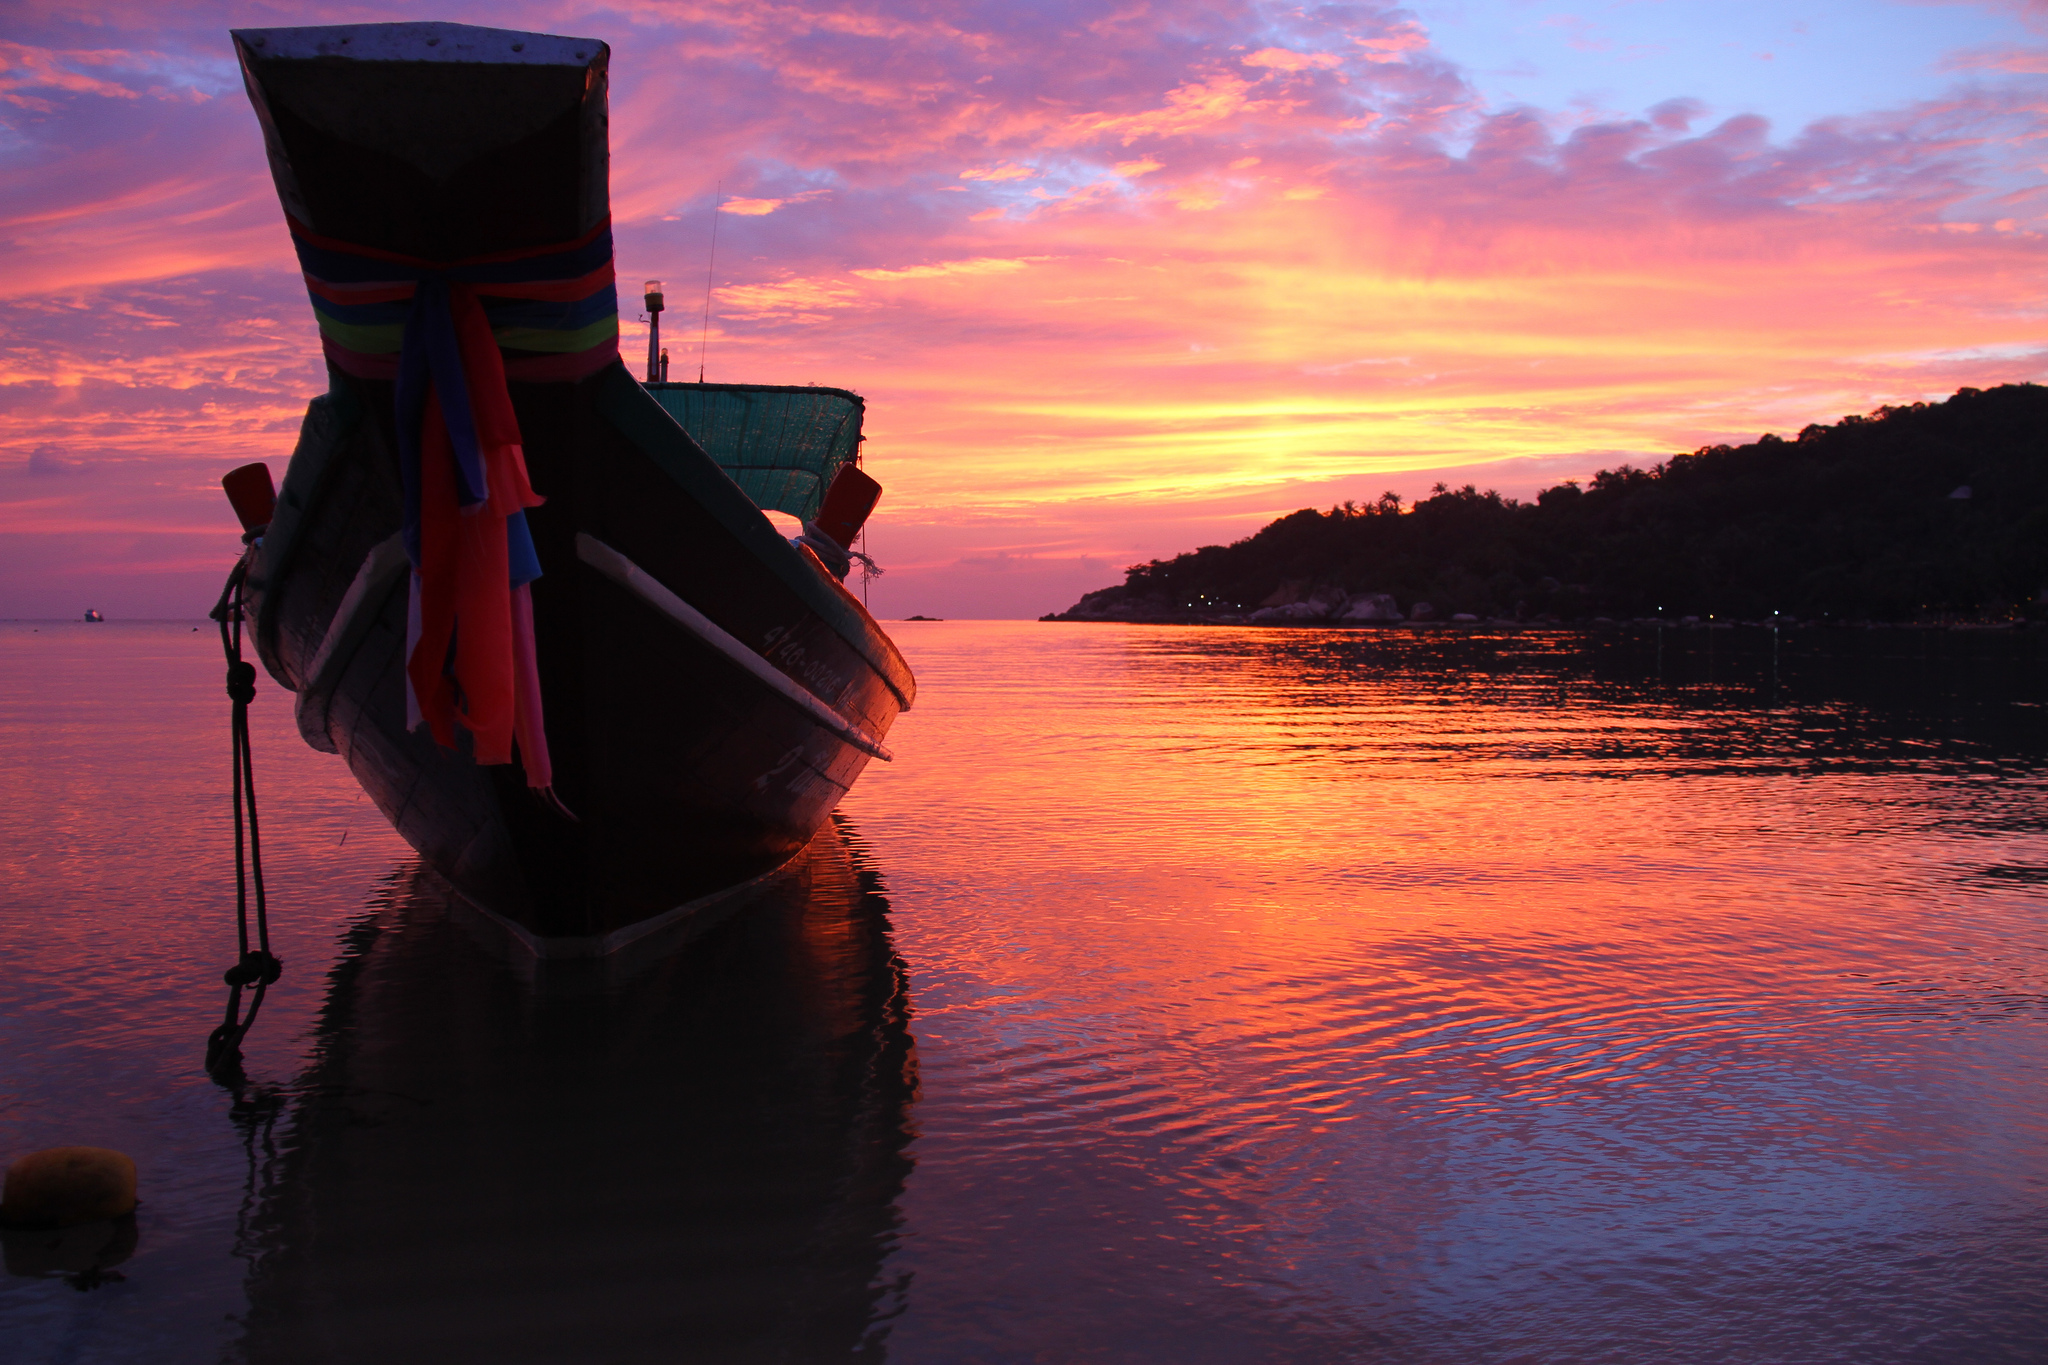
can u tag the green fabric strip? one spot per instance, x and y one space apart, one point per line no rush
388 338
365 339
548 339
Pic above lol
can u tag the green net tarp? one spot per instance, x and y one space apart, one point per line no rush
781 444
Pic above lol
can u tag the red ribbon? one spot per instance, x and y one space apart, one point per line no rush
466 667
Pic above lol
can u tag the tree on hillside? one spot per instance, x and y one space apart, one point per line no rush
1918 510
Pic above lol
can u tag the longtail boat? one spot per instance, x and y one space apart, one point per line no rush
535 603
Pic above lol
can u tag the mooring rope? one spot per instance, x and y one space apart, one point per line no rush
834 556
255 969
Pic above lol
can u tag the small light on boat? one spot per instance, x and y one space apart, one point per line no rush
64 1186
654 370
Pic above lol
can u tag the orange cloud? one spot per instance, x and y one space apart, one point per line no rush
797 300
761 208
1189 108
983 265
1282 59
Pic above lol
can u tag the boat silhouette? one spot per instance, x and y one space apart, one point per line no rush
602 704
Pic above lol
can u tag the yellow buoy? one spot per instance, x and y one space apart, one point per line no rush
63 1186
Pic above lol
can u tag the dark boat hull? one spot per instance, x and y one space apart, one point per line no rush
709 691
700 744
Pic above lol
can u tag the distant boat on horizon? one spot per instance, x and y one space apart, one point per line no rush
673 697
92 614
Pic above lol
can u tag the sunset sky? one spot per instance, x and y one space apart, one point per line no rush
1116 279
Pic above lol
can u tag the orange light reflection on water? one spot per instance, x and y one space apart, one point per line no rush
1280 994
1366 961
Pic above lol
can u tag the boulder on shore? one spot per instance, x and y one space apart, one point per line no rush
1118 604
1295 612
1372 606
1290 591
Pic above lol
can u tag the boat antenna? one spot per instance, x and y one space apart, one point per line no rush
704 336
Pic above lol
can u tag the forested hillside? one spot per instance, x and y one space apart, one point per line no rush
1933 510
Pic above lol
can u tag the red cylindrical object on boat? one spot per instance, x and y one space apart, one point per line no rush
847 503
251 494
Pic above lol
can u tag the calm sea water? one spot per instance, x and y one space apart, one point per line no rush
1177 995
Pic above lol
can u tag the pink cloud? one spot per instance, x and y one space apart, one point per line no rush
1395 42
38 68
1285 59
2007 58
1076 354
995 174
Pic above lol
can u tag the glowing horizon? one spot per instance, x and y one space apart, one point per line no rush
1113 284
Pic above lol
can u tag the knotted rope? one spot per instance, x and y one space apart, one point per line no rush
256 968
838 558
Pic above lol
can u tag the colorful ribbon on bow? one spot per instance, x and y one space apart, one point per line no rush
553 311
437 328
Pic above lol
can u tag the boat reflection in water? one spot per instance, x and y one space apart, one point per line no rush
692 1157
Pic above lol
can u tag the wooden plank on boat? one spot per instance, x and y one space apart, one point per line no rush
630 576
383 569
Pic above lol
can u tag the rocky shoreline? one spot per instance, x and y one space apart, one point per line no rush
1924 513
1296 606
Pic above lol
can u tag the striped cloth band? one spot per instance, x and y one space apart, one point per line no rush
554 311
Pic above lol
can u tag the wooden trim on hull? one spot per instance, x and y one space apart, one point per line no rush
626 407
384 569
629 575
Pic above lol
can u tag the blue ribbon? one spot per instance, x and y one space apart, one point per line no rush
431 358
